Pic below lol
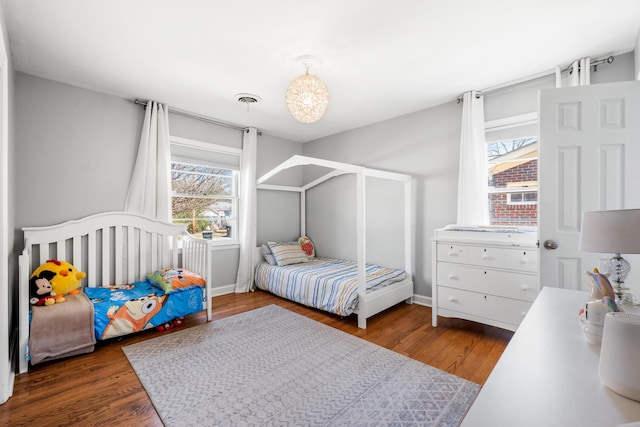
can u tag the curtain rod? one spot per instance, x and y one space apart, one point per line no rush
607 60
199 117
460 99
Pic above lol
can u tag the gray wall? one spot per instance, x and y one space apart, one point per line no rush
523 98
424 145
86 142
278 211
75 153
636 56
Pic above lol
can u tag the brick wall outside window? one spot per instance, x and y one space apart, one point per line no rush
500 211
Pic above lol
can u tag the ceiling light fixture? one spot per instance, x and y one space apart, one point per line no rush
307 96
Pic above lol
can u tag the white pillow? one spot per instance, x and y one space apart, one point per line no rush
287 253
267 255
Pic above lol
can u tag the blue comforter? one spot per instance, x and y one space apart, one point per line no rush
125 309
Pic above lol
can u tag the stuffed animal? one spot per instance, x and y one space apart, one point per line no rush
65 278
599 286
40 289
602 300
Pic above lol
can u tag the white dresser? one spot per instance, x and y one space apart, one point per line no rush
548 374
485 275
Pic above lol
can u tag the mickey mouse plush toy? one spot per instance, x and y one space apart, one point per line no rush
40 289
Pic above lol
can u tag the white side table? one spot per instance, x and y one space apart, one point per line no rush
548 374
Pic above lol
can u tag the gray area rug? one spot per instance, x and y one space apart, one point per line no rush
271 366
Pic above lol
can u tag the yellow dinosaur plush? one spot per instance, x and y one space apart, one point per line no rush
65 281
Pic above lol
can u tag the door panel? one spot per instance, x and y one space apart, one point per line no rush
589 154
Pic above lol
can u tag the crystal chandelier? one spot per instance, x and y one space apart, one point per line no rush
307 96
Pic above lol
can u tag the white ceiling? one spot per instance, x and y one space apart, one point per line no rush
379 58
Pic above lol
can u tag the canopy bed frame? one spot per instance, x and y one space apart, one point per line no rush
369 303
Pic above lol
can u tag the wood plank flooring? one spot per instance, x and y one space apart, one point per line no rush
101 389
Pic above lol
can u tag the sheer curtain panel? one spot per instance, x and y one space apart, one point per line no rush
473 188
578 74
247 219
150 188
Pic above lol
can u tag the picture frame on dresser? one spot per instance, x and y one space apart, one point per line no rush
485 274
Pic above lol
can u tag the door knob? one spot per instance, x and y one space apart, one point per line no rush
550 244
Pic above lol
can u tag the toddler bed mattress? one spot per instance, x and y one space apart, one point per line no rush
125 309
324 283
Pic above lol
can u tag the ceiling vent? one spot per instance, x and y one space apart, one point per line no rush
248 98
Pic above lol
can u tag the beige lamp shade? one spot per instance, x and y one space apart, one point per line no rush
615 231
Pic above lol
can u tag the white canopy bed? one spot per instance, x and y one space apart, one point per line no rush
369 302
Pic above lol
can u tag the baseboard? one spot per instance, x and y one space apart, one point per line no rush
229 289
422 300
223 290
7 390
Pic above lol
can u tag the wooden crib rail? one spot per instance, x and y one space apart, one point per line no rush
112 248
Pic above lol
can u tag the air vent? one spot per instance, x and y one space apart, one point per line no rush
248 98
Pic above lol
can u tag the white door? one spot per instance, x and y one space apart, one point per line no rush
589 160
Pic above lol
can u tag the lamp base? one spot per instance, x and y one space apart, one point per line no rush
627 298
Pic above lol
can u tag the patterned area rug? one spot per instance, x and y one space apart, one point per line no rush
271 366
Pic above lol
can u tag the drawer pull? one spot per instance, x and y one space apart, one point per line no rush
453 253
524 313
524 287
524 260
452 299
453 277
485 256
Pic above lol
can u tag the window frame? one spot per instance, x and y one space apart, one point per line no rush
514 122
235 197
522 203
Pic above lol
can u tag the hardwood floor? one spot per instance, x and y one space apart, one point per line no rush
101 389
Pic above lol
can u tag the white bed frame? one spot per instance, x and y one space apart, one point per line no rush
368 303
113 248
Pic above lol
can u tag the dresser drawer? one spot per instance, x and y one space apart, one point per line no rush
452 253
522 259
486 256
494 282
486 306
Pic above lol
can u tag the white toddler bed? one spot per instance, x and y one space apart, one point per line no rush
113 249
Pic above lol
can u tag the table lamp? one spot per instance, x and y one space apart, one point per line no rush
617 232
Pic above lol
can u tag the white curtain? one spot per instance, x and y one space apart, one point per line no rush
150 186
247 220
473 205
578 74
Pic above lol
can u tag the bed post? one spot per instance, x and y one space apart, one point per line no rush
196 256
408 214
361 246
24 266
303 212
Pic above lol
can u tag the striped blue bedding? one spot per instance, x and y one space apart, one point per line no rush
323 283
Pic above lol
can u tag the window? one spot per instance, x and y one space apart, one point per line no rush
512 156
204 189
522 193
